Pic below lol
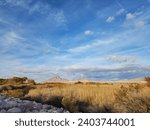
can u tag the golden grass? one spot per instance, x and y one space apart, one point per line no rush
133 99
14 93
95 95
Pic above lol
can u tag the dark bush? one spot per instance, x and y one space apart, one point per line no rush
147 79
78 82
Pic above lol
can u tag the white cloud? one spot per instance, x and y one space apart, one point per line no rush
22 3
52 14
80 49
106 72
93 45
29 5
110 19
120 12
36 72
88 32
139 24
121 59
40 8
130 16
19 46
136 20
4 21
42 72
35 8
31 69
58 17
11 38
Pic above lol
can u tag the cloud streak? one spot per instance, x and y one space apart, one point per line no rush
93 45
37 7
103 73
108 73
121 59
120 12
110 19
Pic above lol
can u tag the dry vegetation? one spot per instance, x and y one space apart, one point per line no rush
16 87
77 97
134 98
86 97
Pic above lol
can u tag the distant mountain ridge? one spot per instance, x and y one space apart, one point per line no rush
60 79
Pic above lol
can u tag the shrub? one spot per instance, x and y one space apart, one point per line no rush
17 80
2 81
78 82
132 99
147 79
31 82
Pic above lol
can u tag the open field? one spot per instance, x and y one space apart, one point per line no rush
84 96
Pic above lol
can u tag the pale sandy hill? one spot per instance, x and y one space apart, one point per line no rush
57 79
136 80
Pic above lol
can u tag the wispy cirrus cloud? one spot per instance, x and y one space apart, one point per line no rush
12 38
58 17
13 43
2 21
29 5
18 68
94 44
120 12
9 40
37 7
110 19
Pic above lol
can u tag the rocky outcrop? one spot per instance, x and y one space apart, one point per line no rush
16 105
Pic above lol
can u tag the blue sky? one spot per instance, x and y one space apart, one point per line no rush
94 39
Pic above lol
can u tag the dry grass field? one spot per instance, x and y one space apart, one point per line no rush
86 97
77 97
